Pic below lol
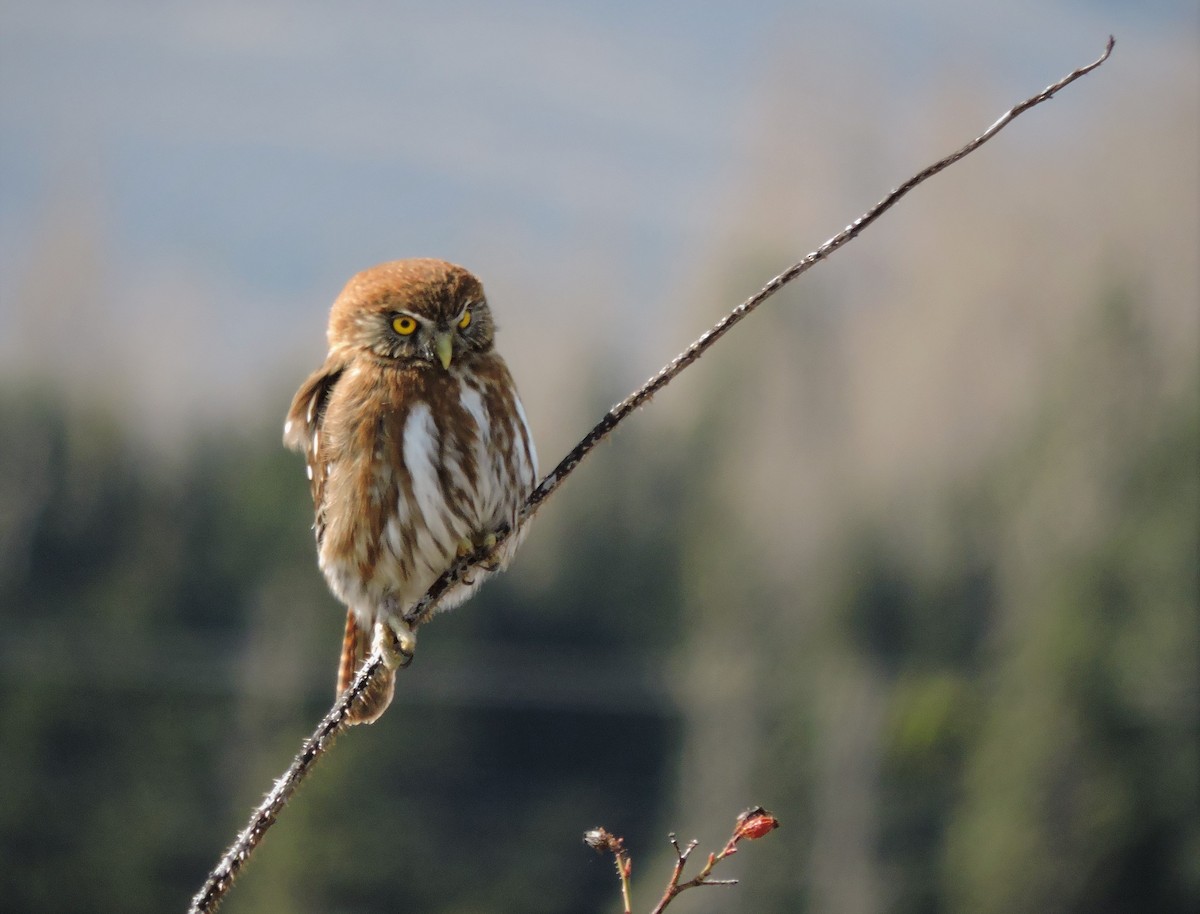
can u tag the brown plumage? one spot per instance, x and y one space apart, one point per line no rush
417 449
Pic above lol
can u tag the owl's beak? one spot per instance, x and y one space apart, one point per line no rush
443 345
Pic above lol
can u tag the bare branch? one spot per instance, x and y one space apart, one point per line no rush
421 612
227 869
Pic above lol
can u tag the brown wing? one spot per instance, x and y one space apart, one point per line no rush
303 429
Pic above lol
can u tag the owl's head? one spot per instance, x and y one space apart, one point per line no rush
414 311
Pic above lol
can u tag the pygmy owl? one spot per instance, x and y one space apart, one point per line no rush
417 448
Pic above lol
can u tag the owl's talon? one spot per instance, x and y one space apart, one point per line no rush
397 642
491 563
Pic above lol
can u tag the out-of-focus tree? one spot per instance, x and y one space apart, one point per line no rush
949 622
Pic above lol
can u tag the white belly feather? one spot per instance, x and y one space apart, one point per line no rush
422 537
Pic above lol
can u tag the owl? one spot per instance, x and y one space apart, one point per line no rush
417 449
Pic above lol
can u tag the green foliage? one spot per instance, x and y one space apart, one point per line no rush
170 641
994 683
978 694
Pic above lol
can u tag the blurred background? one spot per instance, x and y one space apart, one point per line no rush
910 558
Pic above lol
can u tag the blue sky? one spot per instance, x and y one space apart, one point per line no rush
222 168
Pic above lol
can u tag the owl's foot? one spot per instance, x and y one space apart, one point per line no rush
466 548
489 541
396 641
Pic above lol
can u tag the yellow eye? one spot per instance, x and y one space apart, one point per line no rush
465 321
404 325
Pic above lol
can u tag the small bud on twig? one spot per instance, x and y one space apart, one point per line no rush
754 823
602 841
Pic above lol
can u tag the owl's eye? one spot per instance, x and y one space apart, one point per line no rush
465 321
404 325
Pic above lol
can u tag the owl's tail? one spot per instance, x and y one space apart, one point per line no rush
375 699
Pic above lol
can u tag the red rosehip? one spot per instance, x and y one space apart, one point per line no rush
754 823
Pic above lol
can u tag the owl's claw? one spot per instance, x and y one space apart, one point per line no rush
396 641
467 548
488 542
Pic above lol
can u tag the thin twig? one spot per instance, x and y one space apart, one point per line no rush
681 858
227 869
623 869
674 887
602 840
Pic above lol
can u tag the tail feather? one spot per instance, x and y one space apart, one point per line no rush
376 698
353 652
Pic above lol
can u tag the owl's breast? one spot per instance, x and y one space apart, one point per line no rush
416 464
